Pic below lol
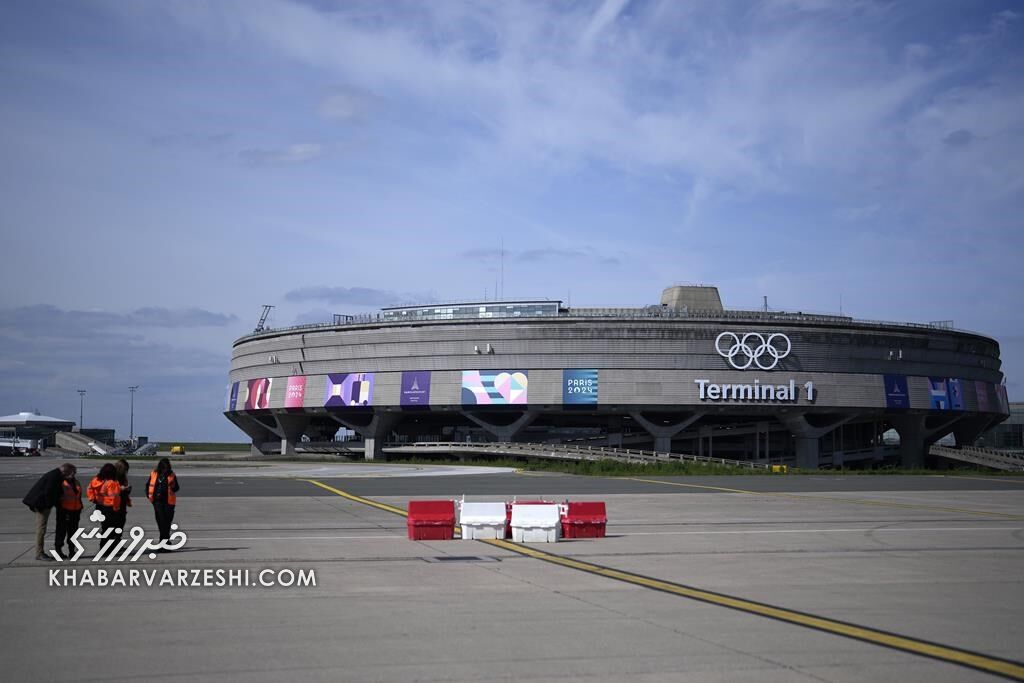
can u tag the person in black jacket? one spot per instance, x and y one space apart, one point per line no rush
42 497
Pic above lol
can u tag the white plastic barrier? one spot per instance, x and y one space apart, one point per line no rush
535 523
482 520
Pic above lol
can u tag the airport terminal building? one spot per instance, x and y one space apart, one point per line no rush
686 375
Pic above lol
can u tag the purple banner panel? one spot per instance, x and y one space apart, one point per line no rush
896 393
415 388
295 392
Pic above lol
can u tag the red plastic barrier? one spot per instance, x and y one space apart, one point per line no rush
431 520
585 520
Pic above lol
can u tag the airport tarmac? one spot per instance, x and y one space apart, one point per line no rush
761 578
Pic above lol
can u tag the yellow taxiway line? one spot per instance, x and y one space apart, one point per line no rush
1000 667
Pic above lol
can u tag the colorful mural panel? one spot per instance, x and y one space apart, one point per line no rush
938 393
494 387
349 390
981 389
956 393
257 395
1004 399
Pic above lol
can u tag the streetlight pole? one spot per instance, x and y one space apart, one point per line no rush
131 427
81 407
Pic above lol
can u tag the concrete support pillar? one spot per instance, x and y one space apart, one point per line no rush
912 440
806 436
374 431
615 431
373 448
663 433
290 428
807 452
969 429
920 436
765 452
506 433
703 433
256 431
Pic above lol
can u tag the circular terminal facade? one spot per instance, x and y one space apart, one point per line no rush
777 387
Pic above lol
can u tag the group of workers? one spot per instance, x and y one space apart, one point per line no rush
109 490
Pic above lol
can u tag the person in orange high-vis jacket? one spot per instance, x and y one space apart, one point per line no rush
69 511
105 491
161 491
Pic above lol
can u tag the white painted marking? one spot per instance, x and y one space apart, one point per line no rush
259 538
810 531
292 538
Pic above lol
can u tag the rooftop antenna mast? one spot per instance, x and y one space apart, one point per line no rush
501 250
260 326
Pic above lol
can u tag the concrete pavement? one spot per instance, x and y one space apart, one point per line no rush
937 564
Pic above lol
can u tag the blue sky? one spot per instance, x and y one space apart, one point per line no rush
170 167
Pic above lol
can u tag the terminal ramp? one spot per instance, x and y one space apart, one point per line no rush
997 460
79 443
559 452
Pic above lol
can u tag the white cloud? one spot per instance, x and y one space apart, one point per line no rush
357 296
732 100
854 214
604 16
346 104
292 154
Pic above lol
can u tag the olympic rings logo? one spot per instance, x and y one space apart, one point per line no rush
742 352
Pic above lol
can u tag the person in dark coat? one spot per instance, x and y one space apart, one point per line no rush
42 497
